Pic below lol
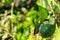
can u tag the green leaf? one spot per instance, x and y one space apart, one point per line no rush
18 36
43 13
31 12
27 23
8 2
19 27
26 31
14 18
32 26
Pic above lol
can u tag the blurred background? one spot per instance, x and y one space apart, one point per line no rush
29 19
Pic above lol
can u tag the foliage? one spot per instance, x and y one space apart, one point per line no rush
19 18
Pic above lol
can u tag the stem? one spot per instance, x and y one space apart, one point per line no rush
12 6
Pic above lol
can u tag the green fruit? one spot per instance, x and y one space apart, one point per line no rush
46 30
